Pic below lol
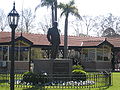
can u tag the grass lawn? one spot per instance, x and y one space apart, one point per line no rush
115 86
116 82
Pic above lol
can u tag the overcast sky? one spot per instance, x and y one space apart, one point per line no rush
85 7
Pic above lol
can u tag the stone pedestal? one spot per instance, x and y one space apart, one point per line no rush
57 66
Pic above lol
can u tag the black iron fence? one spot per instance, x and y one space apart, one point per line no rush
57 81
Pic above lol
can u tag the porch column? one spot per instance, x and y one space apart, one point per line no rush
29 58
113 60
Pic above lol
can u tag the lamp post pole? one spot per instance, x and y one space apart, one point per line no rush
13 18
12 59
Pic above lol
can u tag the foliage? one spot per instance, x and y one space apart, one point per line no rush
30 77
45 3
48 3
75 56
27 20
78 73
37 53
66 10
89 23
110 32
77 67
3 22
34 78
115 85
107 21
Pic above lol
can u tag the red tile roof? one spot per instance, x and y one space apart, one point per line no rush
115 41
91 43
40 39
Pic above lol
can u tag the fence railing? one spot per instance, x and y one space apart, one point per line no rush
57 81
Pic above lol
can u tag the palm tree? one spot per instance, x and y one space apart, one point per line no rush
52 4
55 4
66 10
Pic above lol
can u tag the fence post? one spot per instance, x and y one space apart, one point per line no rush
110 75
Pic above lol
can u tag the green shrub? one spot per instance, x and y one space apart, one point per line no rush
43 79
77 67
30 77
78 73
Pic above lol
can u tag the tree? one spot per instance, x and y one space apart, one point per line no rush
44 24
66 10
3 20
110 32
97 25
117 24
27 19
53 4
103 22
89 23
108 21
77 26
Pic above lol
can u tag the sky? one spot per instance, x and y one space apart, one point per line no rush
98 7
85 7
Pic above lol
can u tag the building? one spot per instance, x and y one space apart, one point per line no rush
94 53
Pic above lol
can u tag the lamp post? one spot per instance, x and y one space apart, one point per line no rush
13 18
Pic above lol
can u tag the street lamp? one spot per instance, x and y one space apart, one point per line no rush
13 18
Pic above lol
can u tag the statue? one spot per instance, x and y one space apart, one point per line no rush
53 37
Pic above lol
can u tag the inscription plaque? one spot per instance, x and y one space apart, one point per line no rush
60 68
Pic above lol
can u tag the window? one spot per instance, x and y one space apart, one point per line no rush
91 54
99 54
1 53
85 54
37 53
107 53
4 53
88 54
104 53
24 53
21 53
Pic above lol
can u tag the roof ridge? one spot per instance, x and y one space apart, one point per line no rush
81 36
93 41
45 34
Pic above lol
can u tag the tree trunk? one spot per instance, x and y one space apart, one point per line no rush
55 3
52 8
66 36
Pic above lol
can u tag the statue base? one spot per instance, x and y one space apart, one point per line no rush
50 66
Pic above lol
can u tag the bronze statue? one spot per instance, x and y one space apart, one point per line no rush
53 37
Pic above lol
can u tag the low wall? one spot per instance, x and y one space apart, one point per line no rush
20 66
97 66
58 66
